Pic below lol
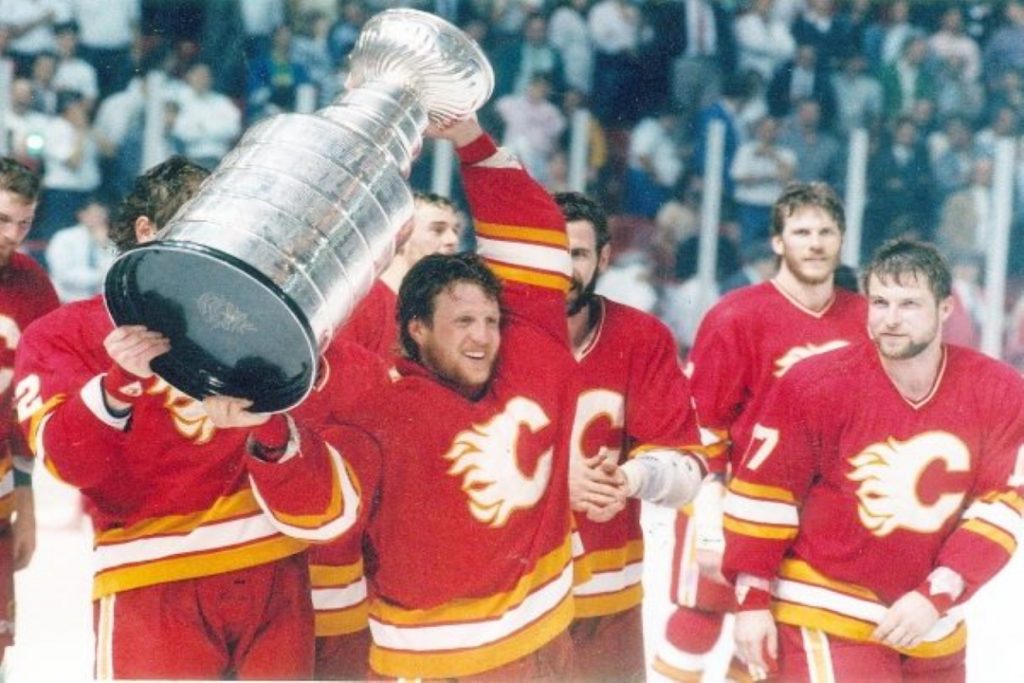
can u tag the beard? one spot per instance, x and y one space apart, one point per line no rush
584 295
807 277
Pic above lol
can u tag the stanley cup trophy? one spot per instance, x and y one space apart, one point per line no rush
250 279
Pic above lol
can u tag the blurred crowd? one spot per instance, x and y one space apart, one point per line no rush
934 84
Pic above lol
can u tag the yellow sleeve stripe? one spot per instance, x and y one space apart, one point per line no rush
773 533
36 421
992 533
752 490
1009 498
325 576
531 277
517 233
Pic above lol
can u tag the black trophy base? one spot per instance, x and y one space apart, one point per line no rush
232 330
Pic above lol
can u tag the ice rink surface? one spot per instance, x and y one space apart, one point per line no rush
55 616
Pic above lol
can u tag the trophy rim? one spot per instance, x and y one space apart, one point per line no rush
123 309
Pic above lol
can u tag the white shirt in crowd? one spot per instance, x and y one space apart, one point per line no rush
207 124
61 142
763 45
652 142
77 75
106 24
21 12
78 263
614 26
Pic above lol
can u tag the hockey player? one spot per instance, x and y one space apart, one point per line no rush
25 294
461 457
633 410
746 342
881 489
199 530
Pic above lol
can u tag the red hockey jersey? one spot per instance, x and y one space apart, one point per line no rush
468 524
849 496
752 337
372 324
632 395
25 294
172 497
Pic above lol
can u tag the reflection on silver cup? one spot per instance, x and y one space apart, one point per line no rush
250 279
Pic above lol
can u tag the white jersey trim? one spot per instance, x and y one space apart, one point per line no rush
474 634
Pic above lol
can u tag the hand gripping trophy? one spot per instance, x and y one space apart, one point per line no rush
250 279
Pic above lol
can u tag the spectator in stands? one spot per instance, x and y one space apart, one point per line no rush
953 167
955 94
818 153
208 122
79 256
708 52
1004 123
798 79
30 29
260 18
73 72
311 51
737 91
859 100
1004 50
107 30
568 34
71 162
899 187
760 171
759 264
951 44
966 222
763 42
533 125
654 163
517 62
574 101
275 80
907 79
26 127
44 95
884 40
830 33
615 32
345 31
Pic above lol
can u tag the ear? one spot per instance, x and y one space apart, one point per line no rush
604 258
945 308
418 331
145 230
777 245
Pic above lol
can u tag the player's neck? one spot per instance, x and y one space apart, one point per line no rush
915 377
394 274
583 324
814 297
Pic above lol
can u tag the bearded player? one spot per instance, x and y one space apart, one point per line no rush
746 342
25 294
881 490
633 410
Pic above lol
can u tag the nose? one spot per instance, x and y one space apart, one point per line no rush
450 241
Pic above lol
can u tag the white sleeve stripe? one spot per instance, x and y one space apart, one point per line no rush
330 529
92 396
760 511
997 514
535 256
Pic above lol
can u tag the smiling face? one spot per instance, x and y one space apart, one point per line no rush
904 317
809 245
460 342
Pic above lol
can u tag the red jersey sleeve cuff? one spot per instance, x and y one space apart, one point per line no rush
478 150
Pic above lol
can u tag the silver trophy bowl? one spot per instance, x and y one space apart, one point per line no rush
251 277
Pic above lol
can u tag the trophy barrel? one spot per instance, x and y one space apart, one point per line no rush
251 277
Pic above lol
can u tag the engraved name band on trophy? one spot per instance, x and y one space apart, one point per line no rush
251 277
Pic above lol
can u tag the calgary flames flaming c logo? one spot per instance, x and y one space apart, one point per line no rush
487 459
